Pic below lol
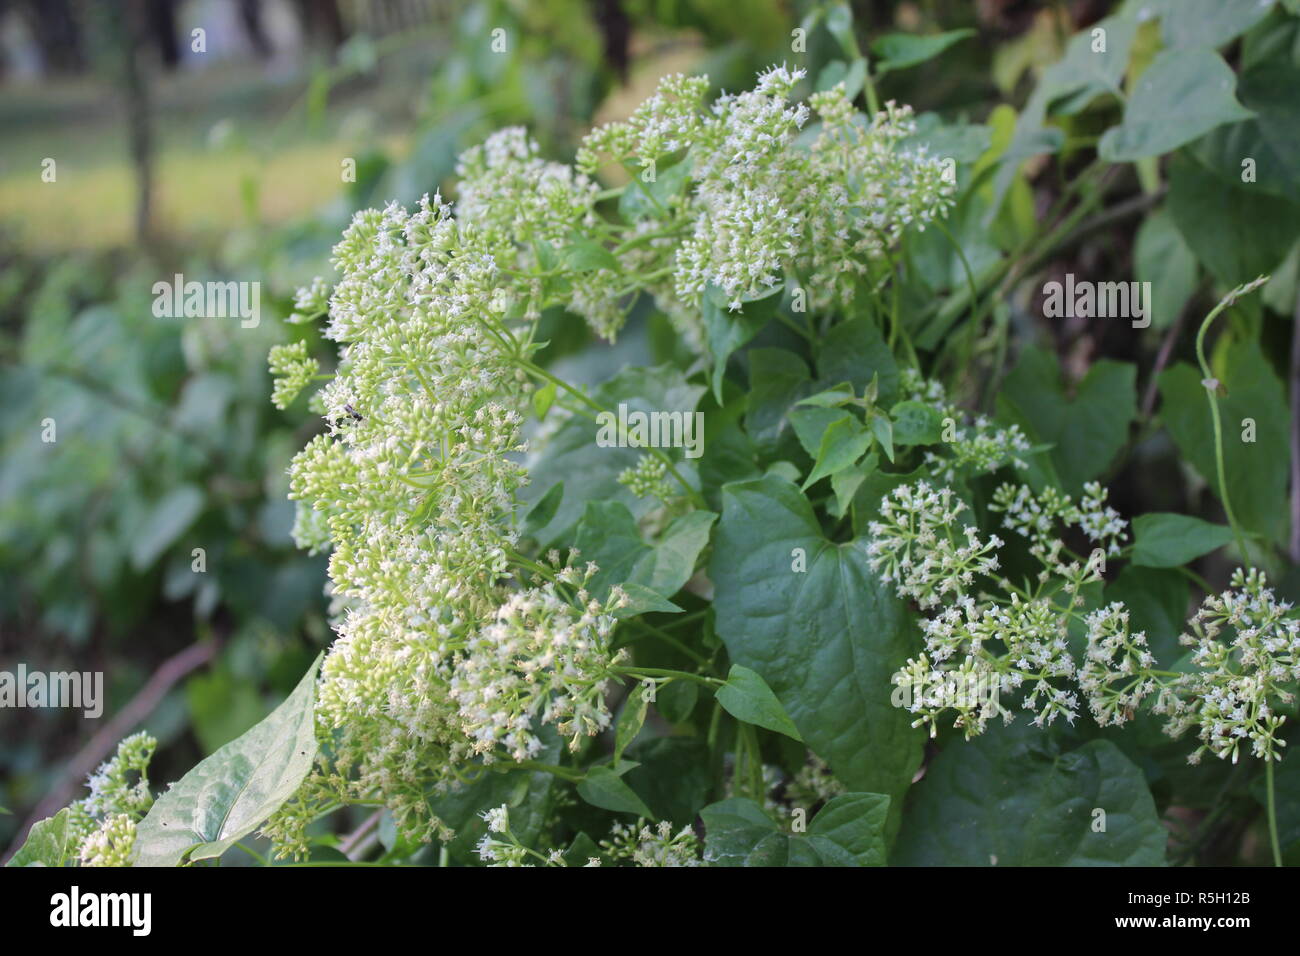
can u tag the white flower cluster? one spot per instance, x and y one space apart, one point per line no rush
978 648
1041 517
111 843
293 368
1116 672
997 648
544 657
499 846
453 648
760 201
637 843
413 490
1246 643
644 845
311 302
102 824
648 478
514 196
920 544
971 690
1233 695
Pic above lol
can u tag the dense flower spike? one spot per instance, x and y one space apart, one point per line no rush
293 369
545 657
453 650
758 202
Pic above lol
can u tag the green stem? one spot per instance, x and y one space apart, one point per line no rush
1272 813
1211 389
664 672
674 642
563 773
253 853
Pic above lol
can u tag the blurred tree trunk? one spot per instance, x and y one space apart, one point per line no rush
322 23
616 30
162 28
250 14
57 34
126 59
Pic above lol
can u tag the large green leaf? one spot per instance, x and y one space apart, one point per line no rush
229 794
732 452
826 640
1256 472
916 423
855 351
609 536
1171 540
1186 24
673 775
1238 232
896 51
644 199
590 472
1182 95
1087 430
1270 141
51 842
843 442
1014 797
165 522
777 379
848 831
602 787
1083 74
1163 258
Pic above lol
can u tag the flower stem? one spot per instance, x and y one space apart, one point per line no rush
1272 813
664 672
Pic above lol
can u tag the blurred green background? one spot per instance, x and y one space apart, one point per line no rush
227 163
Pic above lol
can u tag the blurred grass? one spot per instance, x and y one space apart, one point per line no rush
230 148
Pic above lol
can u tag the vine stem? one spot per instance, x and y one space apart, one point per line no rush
1211 394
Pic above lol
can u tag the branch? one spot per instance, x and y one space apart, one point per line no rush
97 750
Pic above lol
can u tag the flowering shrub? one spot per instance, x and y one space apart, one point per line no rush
877 604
